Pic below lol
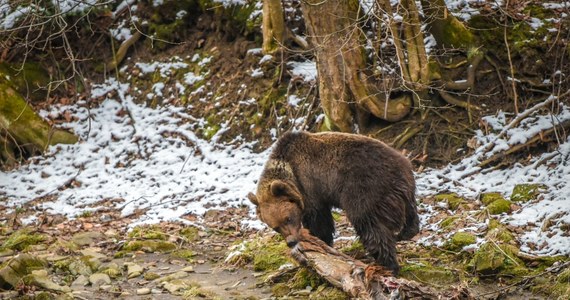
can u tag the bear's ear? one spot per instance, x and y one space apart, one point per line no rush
281 188
253 198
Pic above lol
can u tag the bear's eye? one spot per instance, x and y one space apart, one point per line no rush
288 220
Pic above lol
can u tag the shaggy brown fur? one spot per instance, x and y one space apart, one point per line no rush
308 174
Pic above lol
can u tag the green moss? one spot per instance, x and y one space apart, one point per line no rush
488 198
85 214
564 276
271 257
22 239
354 248
498 232
499 206
149 246
526 192
184 254
189 233
448 222
493 258
460 240
329 293
153 232
429 274
453 200
280 289
305 277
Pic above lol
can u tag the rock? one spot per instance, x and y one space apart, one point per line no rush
40 279
188 269
93 252
79 267
150 276
18 267
526 192
176 285
143 291
488 259
150 246
80 282
86 238
499 206
111 269
6 252
99 279
133 270
174 276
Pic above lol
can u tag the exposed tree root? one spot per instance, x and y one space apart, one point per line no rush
364 281
122 52
453 100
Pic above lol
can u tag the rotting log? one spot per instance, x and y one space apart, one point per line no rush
363 281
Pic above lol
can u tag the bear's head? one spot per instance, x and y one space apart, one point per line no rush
280 206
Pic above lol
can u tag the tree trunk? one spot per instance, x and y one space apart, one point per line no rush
22 131
273 26
447 30
347 91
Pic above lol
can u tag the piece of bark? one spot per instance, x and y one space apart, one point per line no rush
363 281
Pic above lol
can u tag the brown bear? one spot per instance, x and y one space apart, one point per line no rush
308 174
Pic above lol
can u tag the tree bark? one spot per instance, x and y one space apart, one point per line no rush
273 26
346 88
447 30
363 281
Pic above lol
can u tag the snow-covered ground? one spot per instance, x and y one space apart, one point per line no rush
150 159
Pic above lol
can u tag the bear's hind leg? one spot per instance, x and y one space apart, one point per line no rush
381 244
321 224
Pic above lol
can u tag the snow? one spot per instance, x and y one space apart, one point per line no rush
307 70
147 158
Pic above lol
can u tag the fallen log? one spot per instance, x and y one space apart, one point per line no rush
363 281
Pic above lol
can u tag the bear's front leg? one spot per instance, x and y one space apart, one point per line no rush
320 223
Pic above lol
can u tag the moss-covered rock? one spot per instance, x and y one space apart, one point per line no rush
488 260
16 268
488 198
499 206
526 192
493 258
429 274
329 293
453 200
498 232
153 232
460 240
87 238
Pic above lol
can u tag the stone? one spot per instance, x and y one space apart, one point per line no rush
176 285
86 238
80 282
79 267
18 267
453 200
133 270
99 279
143 291
40 279
173 276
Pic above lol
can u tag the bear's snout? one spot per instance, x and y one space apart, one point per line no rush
291 241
